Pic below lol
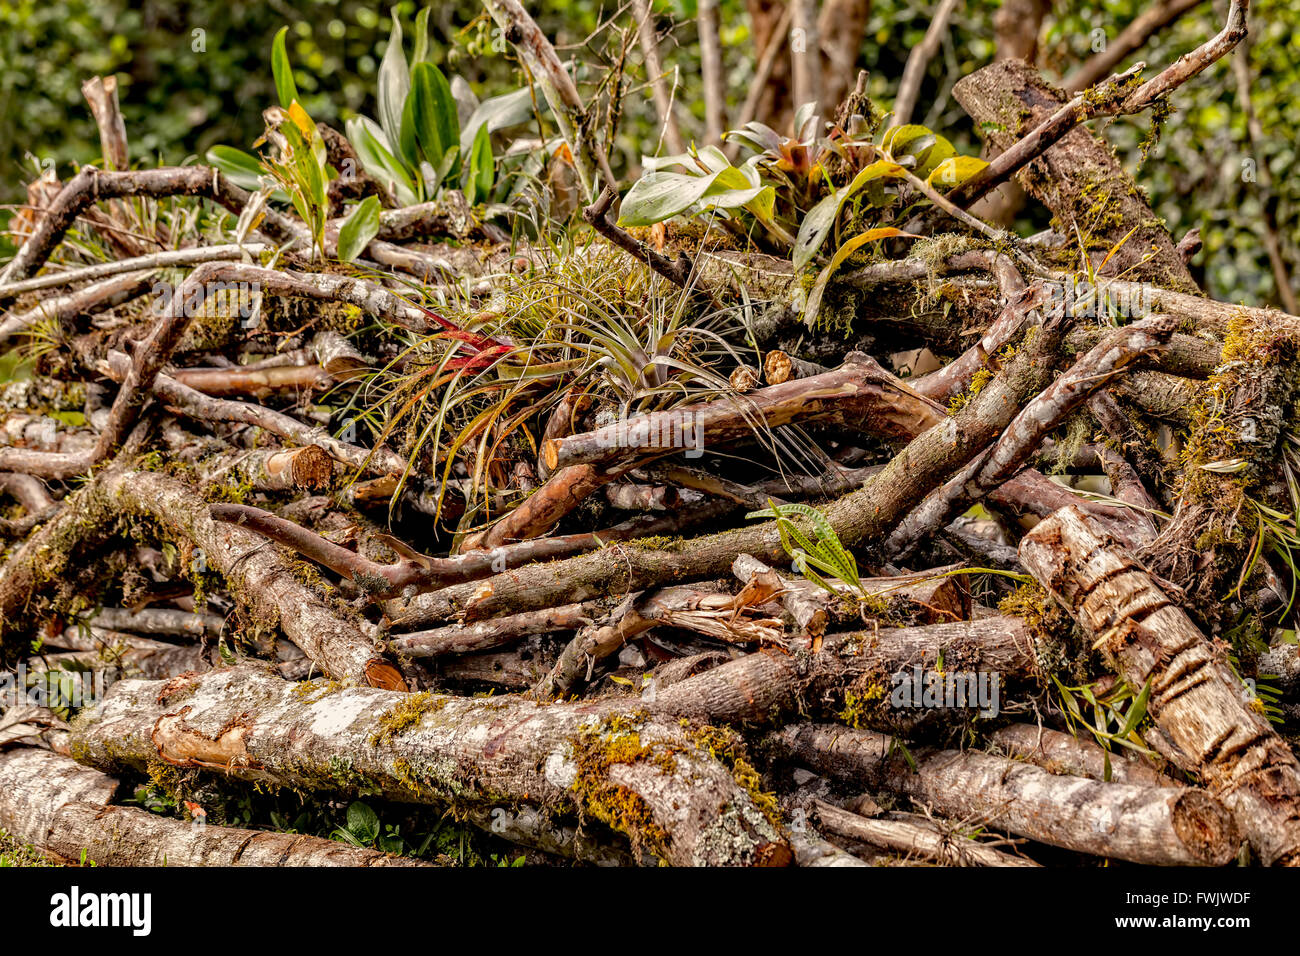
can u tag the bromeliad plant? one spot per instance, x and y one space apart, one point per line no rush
803 190
415 150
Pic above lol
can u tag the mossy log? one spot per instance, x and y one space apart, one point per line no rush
1195 698
851 674
60 807
649 777
860 394
334 639
1161 826
1079 179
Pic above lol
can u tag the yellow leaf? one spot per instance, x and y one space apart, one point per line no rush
301 119
955 170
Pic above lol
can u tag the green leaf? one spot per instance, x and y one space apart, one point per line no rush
913 143
482 172
363 822
378 161
820 220
437 127
657 196
394 84
421 52
500 112
241 168
847 249
359 228
285 88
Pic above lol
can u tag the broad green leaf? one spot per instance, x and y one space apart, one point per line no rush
657 196
500 112
437 128
917 143
478 185
241 168
841 255
734 187
378 161
285 88
820 220
394 85
955 170
359 228
363 822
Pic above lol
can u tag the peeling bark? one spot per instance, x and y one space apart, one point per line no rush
643 775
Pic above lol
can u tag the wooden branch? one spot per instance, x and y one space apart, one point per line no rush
150 263
1132 38
1194 698
495 632
1062 753
904 836
1043 415
805 56
102 295
765 686
860 394
537 54
983 94
711 71
644 776
1156 826
268 585
59 807
101 94
917 61
643 14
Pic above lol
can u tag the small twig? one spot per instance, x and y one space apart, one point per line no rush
677 270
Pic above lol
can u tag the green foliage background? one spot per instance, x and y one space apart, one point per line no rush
178 100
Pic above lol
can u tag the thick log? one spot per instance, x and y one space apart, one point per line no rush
272 591
643 775
1159 826
860 394
59 806
1194 697
761 687
1078 179
1061 753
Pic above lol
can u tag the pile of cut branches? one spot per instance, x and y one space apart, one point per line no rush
787 512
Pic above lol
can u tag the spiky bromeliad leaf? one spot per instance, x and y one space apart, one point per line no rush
359 228
285 88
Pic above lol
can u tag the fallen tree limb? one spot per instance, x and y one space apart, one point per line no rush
644 776
1158 826
337 644
59 806
768 684
1194 697
910 838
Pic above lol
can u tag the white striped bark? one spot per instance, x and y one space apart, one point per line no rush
645 776
1160 826
1194 698
59 807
